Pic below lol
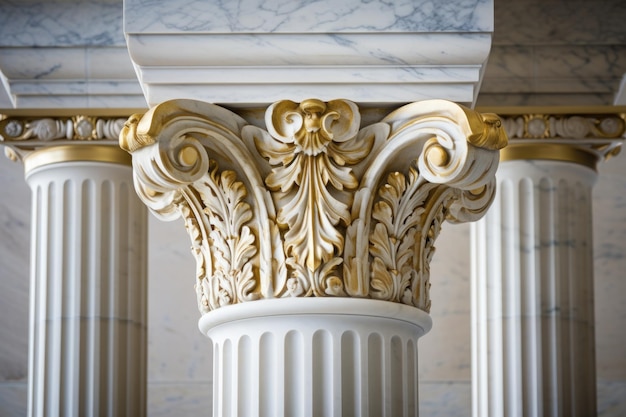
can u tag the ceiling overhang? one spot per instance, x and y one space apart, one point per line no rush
108 54
253 53
66 54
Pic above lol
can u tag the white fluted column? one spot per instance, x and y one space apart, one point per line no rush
312 240
88 284
315 357
532 286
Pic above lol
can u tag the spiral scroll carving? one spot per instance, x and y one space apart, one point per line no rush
314 205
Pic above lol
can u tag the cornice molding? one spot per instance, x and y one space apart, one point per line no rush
370 52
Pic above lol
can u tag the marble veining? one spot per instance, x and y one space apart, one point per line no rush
42 23
71 77
555 53
567 69
611 398
65 54
317 50
609 223
559 22
14 281
288 16
456 396
262 68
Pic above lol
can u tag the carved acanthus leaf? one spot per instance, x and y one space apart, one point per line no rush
397 221
232 241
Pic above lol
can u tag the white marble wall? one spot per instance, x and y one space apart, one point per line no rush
59 53
557 52
179 374
14 288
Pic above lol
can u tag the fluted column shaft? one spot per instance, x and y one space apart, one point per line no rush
532 294
315 357
88 289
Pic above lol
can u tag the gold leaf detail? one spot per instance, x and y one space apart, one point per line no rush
310 145
398 216
232 241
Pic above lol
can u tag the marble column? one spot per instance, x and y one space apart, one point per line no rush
87 353
313 238
532 277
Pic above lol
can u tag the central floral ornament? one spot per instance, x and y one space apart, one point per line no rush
314 204
311 149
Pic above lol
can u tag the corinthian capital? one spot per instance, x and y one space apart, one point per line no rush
314 204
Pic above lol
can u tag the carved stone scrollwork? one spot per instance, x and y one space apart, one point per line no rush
314 205
590 137
539 126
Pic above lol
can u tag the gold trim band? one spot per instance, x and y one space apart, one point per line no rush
550 152
74 153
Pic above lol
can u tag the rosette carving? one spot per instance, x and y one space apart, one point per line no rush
314 205
597 136
552 126
22 135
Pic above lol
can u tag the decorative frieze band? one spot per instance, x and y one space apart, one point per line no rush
584 139
517 126
567 126
600 133
22 135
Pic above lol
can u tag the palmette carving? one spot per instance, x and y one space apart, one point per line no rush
314 205
310 150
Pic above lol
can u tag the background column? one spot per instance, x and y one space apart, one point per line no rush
88 284
533 346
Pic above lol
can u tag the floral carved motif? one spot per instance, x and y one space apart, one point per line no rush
230 239
311 149
22 135
546 126
599 135
314 205
397 219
